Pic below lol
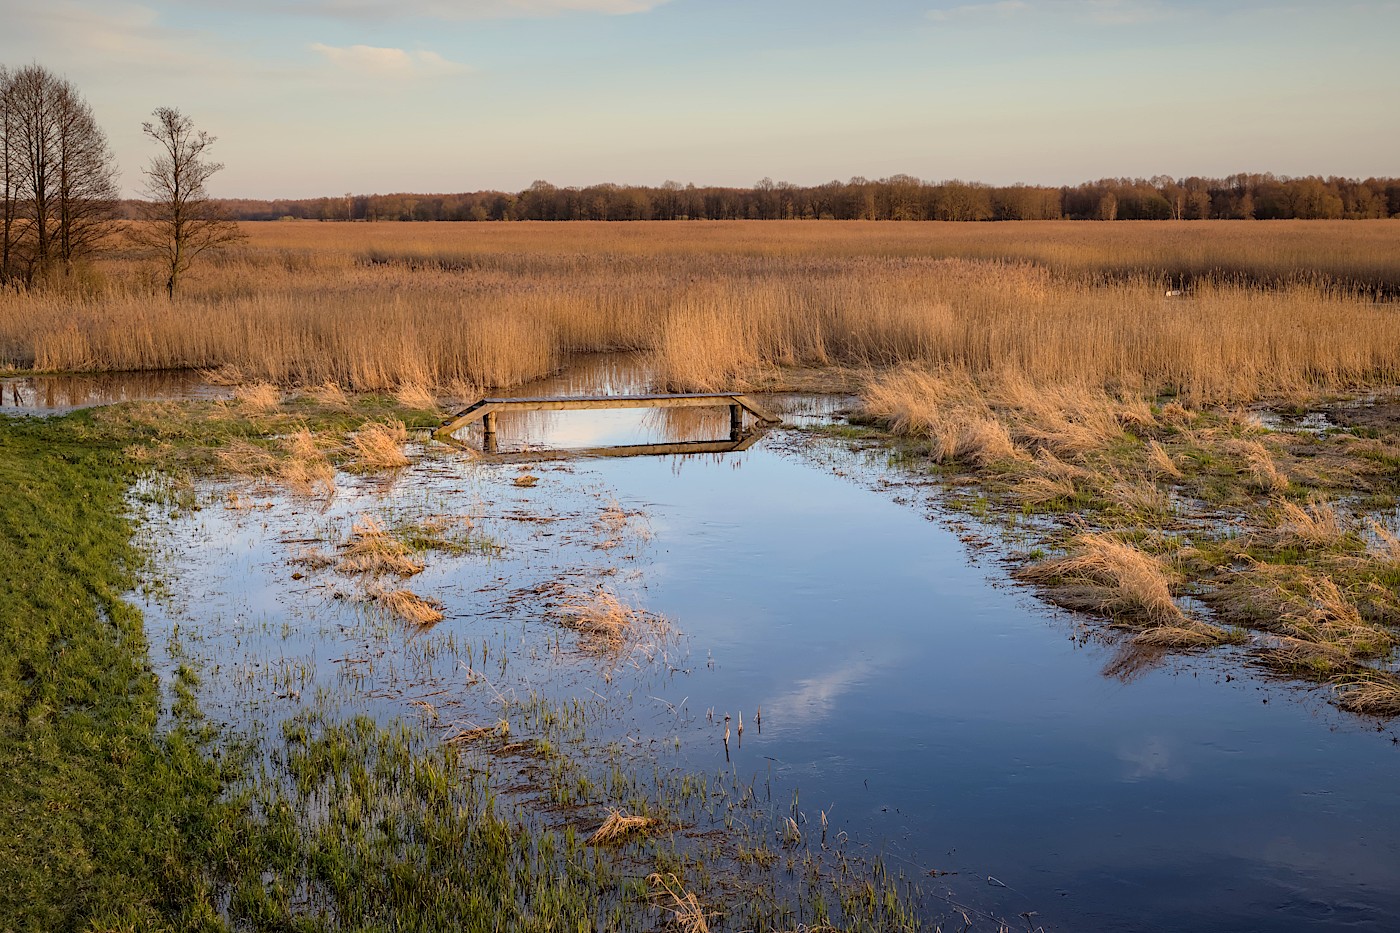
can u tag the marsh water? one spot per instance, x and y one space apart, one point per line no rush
996 750
59 393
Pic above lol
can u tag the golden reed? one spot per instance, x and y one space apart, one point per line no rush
382 306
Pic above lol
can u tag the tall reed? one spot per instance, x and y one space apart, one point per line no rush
380 306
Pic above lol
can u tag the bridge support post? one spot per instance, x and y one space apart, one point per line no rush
488 432
736 422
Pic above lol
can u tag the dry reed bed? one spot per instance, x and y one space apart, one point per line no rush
375 307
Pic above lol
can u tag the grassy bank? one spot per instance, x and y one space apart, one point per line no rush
100 815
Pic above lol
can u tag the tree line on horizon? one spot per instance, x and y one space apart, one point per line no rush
899 197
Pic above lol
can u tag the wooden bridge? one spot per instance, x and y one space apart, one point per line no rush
487 409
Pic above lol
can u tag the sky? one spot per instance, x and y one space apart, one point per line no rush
323 97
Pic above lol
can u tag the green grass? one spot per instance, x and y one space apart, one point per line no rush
99 811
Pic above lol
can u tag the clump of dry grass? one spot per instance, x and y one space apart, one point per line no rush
306 469
408 606
1315 526
258 397
1264 472
415 396
945 408
683 905
620 826
1138 499
1103 573
329 395
378 444
373 551
1108 575
1049 479
607 624
1161 462
1373 693
1319 626
243 458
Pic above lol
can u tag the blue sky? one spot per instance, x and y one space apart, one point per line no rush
313 97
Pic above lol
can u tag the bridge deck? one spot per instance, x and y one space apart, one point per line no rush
486 409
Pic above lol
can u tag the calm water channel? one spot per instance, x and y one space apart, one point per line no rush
941 716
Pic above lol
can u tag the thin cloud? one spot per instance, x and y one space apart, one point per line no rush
1101 12
387 62
476 9
1000 9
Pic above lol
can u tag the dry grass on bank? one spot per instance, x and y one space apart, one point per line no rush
414 307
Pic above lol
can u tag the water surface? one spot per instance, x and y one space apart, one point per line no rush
940 716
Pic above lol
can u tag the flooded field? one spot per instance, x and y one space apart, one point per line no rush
810 629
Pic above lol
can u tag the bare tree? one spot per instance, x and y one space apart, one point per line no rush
57 176
181 221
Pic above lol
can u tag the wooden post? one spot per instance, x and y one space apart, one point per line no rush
488 432
736 422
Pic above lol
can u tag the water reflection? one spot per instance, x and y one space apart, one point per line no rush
51 395
939 717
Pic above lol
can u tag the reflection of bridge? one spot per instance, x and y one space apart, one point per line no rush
487 409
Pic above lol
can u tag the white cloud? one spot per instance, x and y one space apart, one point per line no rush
388 63
479 9
814 698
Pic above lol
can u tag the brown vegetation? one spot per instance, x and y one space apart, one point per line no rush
379 307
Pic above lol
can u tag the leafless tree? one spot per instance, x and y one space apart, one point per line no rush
181 221
57 176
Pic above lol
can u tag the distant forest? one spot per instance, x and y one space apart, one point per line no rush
900 197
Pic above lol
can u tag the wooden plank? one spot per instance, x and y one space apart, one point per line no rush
755 409
678 448
487 406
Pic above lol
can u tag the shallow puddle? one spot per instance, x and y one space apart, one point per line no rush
937 715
